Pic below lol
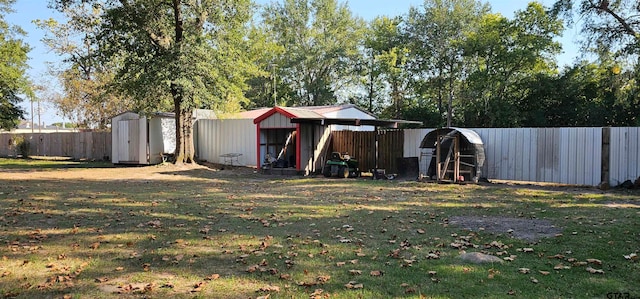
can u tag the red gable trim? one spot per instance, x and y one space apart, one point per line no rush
273 111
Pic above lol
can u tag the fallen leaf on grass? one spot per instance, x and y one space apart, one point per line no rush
317 294
524 270
355 272
580 264
421 231
594 261
285 276
354 285
101 279
561 267
118 269
212 277
595 271
269 289
631 256
510 258
340 264
376 273
533 279
323 279
198 287
409 290
149 288
492 273
544 272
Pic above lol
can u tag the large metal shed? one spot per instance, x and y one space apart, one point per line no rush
455 154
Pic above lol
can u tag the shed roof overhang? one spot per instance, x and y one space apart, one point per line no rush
430 139
386 123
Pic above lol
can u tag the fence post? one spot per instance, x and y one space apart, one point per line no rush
604 173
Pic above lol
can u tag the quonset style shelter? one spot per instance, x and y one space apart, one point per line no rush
457 154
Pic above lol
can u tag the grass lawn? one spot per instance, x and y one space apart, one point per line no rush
94 231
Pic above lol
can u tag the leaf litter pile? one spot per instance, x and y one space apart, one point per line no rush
193 231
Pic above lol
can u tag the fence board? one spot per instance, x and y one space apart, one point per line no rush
624 155
361 145
560 155
74 145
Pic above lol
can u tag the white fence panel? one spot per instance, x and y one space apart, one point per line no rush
412 140
558 155
217 137
624 155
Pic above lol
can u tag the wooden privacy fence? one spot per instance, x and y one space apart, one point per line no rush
74 145
361 145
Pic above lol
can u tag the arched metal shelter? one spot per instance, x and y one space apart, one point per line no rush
457 155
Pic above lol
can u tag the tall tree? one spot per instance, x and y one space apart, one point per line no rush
610 25
384 43
87 99
435 33
185 53
506 53
13 65
321 41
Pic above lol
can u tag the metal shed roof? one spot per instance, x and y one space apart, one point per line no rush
430 139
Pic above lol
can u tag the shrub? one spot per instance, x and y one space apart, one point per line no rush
23 147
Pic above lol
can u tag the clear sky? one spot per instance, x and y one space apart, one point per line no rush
28 10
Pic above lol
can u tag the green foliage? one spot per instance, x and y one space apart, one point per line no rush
181 54
320 42
22 146
506 53
609 26
388 67
13 64
88 99
435 35
586 94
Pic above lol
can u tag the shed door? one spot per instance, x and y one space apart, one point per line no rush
128 140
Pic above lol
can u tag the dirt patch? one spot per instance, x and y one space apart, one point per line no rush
530 230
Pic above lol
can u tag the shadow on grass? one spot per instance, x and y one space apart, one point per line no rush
256 231
46 163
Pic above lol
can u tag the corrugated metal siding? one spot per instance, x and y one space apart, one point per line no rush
560 155
624 155
412 140
223 136
276 120
313 146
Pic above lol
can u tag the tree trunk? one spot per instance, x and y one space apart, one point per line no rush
177 110
187 133
450 103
